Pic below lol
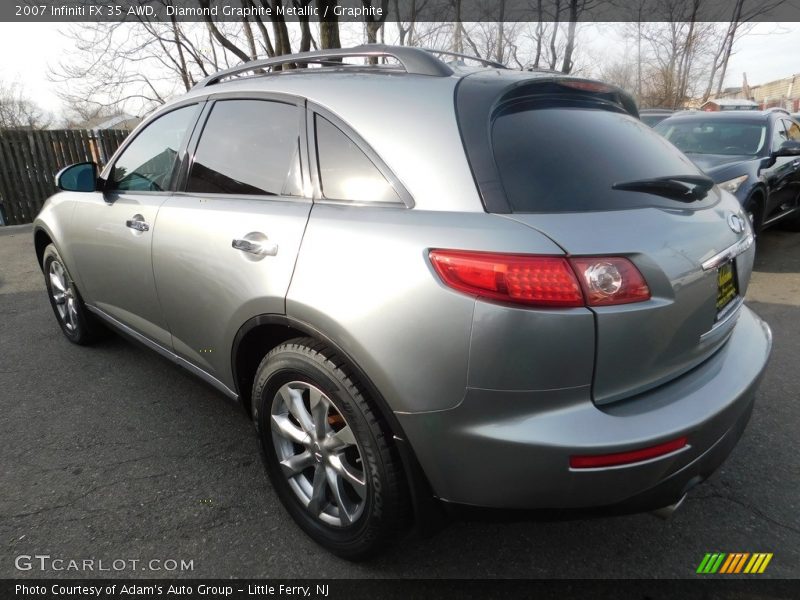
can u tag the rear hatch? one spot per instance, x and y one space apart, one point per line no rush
570 159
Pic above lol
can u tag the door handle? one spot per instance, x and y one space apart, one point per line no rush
137 223
257 244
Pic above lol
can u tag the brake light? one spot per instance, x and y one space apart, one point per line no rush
594 461
535 280
587 86
517 278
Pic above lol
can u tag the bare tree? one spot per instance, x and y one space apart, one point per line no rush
17 111
136 65
740 24
674 49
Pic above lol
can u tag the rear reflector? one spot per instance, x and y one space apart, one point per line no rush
593 461
546 281
517 278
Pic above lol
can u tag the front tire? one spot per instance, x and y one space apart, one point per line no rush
754 209
329 456
78 325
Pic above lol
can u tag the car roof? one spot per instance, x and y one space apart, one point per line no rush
752 116
393 109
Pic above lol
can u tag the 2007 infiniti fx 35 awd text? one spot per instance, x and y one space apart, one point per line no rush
431 285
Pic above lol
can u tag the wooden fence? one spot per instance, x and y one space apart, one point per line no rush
29 161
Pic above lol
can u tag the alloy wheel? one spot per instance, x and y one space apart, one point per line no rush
63 296
318 454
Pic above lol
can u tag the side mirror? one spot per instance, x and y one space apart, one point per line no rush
81 177
788 148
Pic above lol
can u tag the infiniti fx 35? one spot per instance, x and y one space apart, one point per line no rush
430 285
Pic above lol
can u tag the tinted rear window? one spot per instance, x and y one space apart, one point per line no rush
562 159
248 147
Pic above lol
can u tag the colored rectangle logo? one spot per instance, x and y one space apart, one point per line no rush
734 563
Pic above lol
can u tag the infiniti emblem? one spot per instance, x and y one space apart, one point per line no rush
736 223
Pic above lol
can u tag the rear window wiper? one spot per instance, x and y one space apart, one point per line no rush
685 188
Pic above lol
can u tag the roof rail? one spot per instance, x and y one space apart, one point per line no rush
483 61
415 61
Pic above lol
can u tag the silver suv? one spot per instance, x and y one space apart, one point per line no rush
431 285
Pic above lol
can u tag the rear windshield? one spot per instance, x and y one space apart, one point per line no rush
565 159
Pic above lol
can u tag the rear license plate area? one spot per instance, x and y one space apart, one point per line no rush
727 286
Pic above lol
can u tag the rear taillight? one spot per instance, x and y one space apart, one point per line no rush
548 281
522 279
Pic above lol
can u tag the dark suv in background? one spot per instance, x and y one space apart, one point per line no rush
753 154
654 116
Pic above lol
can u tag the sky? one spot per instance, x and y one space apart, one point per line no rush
29 50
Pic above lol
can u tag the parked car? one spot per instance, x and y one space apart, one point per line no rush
431 287
654 116
755 155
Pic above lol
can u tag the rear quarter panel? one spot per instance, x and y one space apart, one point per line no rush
363 278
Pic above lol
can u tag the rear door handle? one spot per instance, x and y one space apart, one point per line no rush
255 243
137 223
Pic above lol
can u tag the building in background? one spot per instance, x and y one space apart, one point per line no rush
784 93
729 104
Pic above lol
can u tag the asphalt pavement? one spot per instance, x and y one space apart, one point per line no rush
111 453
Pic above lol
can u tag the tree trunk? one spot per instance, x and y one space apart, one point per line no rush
726 55
251 41
566 66
554 35
458 41
501 37
539 33
186 77
328 25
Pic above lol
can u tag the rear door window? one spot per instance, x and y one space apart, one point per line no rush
793 130
779 134
249 147
566 159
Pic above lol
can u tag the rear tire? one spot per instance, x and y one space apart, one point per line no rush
327 452
79 326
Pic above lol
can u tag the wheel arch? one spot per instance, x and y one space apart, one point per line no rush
41 240
759 189
260 334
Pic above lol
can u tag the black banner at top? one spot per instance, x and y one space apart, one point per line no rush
77 11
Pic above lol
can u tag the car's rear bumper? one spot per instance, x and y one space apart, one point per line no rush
512 449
